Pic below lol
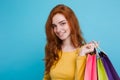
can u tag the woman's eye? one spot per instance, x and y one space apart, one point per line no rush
62 24
53 25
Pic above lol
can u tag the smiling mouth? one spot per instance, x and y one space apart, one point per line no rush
61 34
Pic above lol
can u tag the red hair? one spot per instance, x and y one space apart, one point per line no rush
53 45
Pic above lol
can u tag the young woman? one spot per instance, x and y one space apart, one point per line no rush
66 49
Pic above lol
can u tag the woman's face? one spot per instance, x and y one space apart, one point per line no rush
61 27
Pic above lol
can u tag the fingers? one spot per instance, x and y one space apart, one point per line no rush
92 45
89 47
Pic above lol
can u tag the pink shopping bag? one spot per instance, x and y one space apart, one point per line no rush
91 68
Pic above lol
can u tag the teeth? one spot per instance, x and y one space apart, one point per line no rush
62 33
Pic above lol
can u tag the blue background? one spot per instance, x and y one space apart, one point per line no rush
22 33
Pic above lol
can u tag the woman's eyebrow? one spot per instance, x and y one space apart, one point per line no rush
59 22
62 21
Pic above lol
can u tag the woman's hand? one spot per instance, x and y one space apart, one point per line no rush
88 48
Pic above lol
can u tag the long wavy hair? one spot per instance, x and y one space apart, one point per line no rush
53 45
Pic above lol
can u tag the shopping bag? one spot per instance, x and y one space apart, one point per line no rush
90 69
110 70
101 70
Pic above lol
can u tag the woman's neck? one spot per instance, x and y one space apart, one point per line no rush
67 45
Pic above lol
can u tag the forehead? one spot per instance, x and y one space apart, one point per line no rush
57 18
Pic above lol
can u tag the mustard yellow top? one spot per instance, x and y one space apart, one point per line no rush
69 67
